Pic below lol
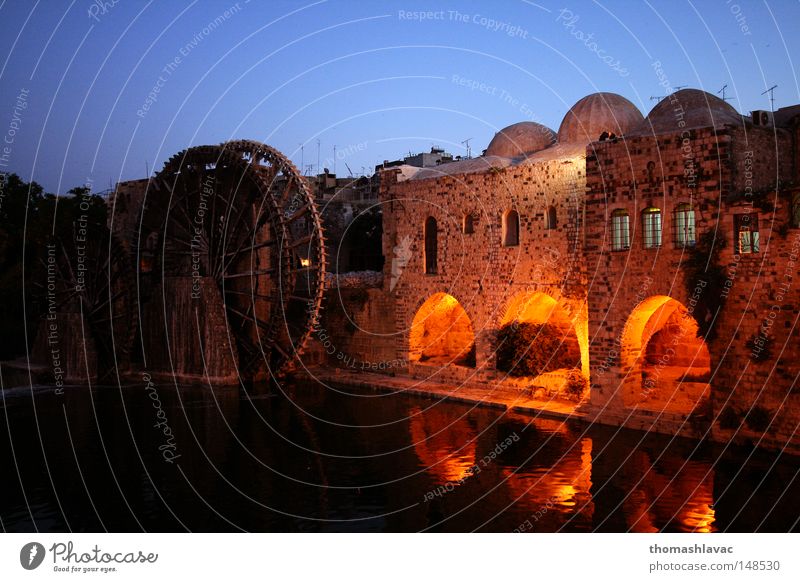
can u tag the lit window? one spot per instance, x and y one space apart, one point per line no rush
511 228
683 224
431 246
746 233
651 225
620 230
468 226
552 219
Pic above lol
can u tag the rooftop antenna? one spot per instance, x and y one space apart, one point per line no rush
348 169
317 155
771 92
302 156
675 89
334 159
146 169
469 150
725 86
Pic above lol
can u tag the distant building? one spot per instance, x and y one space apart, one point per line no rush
328 187
436 157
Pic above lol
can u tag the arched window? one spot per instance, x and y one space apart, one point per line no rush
468 226
651 226
620 230
511 228
431 246
552 219
683 225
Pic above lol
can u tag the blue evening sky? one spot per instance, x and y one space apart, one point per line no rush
371 78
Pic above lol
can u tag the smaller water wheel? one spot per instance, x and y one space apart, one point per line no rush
240 214
85 290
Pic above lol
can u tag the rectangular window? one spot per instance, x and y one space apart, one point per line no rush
620 230
684 226
651 225
746 233
431 246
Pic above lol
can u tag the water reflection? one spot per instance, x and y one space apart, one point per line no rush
314 459
443 443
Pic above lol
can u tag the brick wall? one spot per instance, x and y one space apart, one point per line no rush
734 172
477 269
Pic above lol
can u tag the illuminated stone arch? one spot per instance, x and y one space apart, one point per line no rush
442 333
540 308
665 365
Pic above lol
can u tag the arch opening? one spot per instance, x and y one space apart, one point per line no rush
539 339
442 333
666 365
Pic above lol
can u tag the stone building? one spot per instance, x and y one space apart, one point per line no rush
663 250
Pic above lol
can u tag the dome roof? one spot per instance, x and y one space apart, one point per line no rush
521 139
597 113
699 109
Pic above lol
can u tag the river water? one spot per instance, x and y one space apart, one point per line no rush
314 458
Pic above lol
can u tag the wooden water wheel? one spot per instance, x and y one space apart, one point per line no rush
241 215
85 288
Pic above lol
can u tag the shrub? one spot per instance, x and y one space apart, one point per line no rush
576 384
729 419
530 349
758 418
702 265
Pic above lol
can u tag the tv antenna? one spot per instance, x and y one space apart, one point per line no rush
469 150
771 92
722 91
348 169
675 89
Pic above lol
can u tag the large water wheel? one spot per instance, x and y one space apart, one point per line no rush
241 215
84 286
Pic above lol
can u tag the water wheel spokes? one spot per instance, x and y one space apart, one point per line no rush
240 214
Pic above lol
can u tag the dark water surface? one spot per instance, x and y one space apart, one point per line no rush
319 459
